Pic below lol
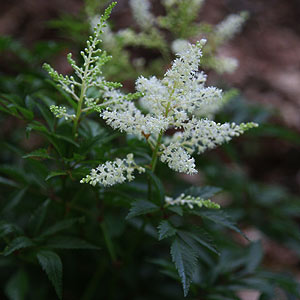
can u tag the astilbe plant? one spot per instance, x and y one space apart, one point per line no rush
176 103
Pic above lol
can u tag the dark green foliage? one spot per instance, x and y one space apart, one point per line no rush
185 260
52 265
112 242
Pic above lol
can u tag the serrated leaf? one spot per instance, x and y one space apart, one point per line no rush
141 207
202 238
17 286
204 192
37 218
218 217
185 260
61 225
52 265
55 174
69 242
165 229
20 242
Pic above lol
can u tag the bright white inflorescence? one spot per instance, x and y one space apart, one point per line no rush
178 159
171 103
127 118
190 201
141 13
174 102
113 172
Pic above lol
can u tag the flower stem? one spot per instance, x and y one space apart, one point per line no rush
78 112
108 242
155 151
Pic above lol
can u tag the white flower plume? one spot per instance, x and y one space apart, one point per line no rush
175 102
113 172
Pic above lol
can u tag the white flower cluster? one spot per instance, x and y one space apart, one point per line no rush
127 118
230 26
178 159
204 134
61 112
113 172
141 13
191 201
172 103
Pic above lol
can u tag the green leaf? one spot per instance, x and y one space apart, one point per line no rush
65 138
254 257
9 182
218 217
12 203
69 242
141 207
52 265
48 116
55 174
201 237
203 192
61 225
17 286
176 209
20 242
185 260
165 229
7 228
37 218
38 154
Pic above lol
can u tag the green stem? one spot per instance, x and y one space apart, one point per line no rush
79 106
93 285
108 242
155 151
